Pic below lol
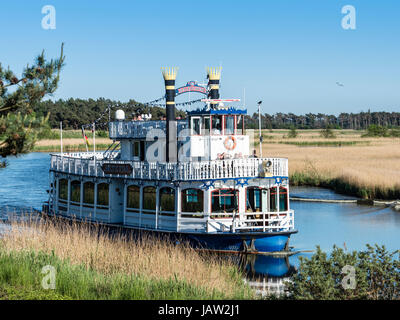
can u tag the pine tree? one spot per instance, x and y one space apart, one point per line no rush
19 125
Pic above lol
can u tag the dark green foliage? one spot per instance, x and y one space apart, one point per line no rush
18 133
377 275
18 95
381 131
356 121
74 113
376 131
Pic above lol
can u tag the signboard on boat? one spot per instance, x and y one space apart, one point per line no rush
117 168
191 86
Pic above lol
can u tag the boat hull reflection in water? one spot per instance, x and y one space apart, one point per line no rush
267 275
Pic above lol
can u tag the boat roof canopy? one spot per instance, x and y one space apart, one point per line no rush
210 111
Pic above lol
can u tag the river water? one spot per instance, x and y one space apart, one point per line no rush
23 185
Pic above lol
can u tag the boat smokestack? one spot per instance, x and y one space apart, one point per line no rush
171 152
213 75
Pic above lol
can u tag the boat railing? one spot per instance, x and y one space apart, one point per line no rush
90 164
255 221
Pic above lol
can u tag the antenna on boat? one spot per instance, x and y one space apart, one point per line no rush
244 98
61 145
259 125
94 139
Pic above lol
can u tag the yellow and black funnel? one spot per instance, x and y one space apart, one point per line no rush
169 75
213 75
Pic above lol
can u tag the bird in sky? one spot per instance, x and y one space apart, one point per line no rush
339 84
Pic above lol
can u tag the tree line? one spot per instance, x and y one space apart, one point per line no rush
74 113
356 121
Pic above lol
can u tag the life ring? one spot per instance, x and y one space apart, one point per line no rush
228 145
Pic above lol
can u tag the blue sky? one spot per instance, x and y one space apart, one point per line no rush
287 53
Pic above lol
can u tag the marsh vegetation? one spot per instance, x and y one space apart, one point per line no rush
92 264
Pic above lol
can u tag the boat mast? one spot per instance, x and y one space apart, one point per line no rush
61 144
259 126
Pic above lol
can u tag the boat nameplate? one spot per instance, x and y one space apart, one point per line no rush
117 168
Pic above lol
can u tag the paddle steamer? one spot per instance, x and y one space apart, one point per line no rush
195 179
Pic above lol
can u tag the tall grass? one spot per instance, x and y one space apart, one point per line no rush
121 261
21 277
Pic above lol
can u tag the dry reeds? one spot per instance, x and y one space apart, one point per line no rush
94 248
373 166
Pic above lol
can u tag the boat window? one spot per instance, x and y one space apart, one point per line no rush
133 197
229 124
255 199
216 125
63 193
192 200
136 149
195 125
88 192
102 194
149 199
75 195
272 199
205 126
239 124
224 201
167 200
142 150
283 199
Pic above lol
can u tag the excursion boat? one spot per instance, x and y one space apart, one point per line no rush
194 179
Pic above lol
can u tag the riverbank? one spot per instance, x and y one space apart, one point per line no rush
92 265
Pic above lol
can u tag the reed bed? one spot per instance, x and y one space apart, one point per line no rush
94 248
369 170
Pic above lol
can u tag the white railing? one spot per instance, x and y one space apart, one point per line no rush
90 164
257 221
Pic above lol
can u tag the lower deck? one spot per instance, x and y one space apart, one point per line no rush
227 206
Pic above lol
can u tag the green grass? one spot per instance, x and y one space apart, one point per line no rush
316 143
324 143
21 278
54 134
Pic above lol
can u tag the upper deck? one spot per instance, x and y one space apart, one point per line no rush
140 129
90 164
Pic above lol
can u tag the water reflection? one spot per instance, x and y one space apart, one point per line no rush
267 275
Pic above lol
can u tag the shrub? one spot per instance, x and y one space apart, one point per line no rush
292 133
327 133
376 131
377 275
